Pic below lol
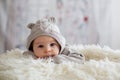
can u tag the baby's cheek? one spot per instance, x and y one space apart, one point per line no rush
55 52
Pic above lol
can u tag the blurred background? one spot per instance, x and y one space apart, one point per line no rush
83 22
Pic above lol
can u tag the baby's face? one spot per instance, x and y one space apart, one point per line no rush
45 46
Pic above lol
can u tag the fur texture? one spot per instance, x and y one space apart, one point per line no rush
101 64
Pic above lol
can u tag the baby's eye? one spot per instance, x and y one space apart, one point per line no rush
40 46
52 44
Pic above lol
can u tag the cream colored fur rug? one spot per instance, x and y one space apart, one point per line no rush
101 64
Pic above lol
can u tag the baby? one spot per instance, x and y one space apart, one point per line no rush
45 40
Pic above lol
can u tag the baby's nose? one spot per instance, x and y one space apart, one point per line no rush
47 49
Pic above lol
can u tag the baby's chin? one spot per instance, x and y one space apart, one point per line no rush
45 57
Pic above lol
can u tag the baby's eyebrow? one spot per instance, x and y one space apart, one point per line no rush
38 43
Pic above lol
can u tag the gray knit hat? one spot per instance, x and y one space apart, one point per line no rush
47 27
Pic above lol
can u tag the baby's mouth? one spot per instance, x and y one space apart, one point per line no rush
51 56
45 57
48 56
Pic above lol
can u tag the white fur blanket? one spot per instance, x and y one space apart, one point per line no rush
101 64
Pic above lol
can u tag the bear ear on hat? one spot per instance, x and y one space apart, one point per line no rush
38 22
31 25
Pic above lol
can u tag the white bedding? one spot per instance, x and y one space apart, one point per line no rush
101 64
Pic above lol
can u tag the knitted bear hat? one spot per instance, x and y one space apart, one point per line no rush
45 27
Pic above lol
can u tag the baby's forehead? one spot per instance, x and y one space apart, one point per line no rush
44 39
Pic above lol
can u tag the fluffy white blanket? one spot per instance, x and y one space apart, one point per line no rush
101 64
